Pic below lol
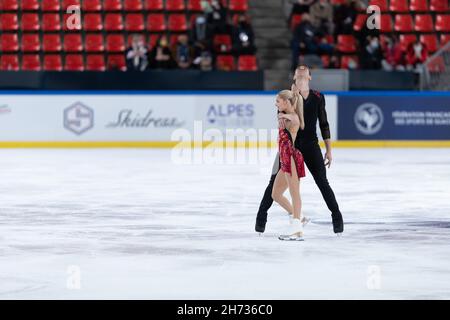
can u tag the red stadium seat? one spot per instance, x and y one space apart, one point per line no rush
9 62
31 42
73 43
71 22
439 5
382 4
247 63
337 2
31 62
345 61
9 22
403 23
295 20
9 5
52 62
152 39
325 60
418 5
222 43
194 5
9 42
117 62
177 22
51 22
92 5
51 43
74 62
93 22
175 5
424 23
134 22
398 6
133 5
50 5
386 23
112 5
225 63
69 3
154 5
115 43
346 43
114 22
156 23
406 40
436 65
444 39
95 62
238 5
443 22
431 41
30 22
30 5
359 22
94 43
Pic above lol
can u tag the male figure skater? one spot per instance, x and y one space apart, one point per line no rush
308 143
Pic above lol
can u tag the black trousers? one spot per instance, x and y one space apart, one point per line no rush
314 161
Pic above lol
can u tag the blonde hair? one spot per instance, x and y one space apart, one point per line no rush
296 101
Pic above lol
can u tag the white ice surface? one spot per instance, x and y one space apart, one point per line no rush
140 227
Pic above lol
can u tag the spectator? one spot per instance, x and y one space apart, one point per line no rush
183 52
217 18
203 59
243 37
334 62
200 30
416 55
371 54
297 7
345 16
393 55
308 40
161 55
137 54
322 16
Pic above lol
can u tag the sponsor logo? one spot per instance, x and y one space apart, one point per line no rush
127 119
78 118
238 115
369 118
4 109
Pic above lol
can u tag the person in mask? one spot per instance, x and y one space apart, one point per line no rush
183 52
137 54
161 56
371 54
217 18
416 55
243 37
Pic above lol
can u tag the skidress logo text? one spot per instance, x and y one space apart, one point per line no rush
369 118
78 118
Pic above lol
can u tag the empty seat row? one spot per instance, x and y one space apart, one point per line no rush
408 23
54 62
411 5
244 63
115 5
95 22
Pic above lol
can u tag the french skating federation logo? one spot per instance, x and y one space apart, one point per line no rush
78 118
369 118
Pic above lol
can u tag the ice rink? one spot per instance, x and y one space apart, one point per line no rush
132 224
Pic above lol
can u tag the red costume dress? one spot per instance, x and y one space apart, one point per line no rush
287 150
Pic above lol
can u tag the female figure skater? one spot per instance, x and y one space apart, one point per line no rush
290 120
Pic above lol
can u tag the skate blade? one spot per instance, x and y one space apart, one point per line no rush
290 238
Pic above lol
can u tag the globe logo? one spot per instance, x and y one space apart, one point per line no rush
368 118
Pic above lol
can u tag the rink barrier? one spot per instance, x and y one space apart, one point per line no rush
44 128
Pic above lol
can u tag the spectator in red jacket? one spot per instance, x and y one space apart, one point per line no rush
416 55
393 55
